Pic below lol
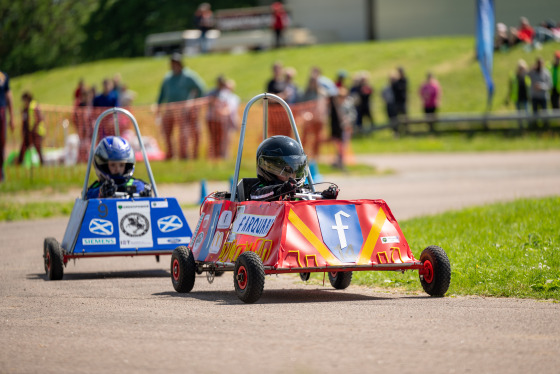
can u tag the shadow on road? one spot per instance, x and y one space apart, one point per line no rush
283 296
107 275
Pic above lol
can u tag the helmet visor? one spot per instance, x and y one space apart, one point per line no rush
285 167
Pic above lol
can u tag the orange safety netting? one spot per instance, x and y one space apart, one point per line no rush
188 130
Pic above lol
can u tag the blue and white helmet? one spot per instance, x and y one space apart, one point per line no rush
113 148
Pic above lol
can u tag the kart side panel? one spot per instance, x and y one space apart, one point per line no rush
342 232
74 224
303 234
117 226
247 226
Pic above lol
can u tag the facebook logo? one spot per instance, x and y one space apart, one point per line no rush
341 230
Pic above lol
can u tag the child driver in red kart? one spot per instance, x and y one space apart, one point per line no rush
282 169
114 164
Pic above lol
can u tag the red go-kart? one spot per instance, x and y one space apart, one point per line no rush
302 233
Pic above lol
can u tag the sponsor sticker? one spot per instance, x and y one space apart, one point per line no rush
341 230
169 223
216 242
252 224
159 204
176 240
101 227
198 241
135 230
390 239
99 241
225 219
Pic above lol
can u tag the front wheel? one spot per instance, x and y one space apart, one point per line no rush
53 259
340 280
248 277
183 268
435 276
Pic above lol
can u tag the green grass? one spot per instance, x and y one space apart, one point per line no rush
384 142
502 250
450 58
16 211
60 178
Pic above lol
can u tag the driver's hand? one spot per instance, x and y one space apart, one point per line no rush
147 192
288 186
108 188
330 193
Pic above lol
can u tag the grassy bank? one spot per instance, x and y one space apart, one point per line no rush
451 59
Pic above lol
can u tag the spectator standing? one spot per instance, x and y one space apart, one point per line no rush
388 95
315 116
33 127
291 91
340 80
430 93
217 117
5 103
541 84
279 23
362 92
555 76
400 91
277 117
518 91
341 129
233 102
179 85
105 99
78 92
204 21
277 84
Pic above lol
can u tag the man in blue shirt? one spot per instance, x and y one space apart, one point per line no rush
178 86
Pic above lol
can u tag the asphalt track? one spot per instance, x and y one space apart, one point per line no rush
122 315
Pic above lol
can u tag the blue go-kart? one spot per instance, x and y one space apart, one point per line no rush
126 225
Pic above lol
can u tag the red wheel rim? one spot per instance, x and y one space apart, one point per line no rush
48 260
428 272
176 269
242 277
333 274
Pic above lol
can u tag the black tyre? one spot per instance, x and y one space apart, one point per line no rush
248 277
53 259
435 277
304 276
183 269
340 280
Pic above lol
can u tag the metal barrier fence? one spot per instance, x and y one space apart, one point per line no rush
516 122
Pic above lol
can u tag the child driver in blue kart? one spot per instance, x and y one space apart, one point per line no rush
114 165
282 169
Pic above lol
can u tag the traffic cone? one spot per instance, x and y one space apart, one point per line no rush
314 170
203 191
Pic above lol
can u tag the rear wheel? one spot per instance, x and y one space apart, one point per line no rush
340 280
53 259
248 277
183 268
435 276
304 276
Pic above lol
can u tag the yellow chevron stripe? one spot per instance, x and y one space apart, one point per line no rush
312 238
373 235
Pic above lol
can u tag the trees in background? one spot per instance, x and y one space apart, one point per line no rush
43 34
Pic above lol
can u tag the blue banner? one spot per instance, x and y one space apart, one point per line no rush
485 42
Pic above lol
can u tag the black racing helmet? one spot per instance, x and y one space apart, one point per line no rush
280 158
113 148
